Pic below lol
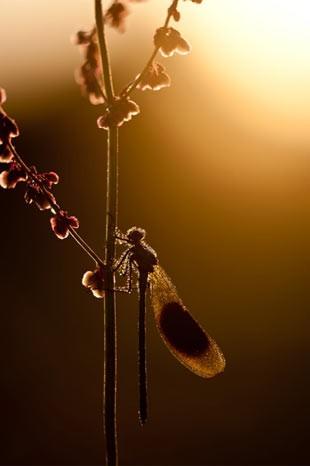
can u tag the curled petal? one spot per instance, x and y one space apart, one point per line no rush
116 15
34 195
183 47
92 55
6 156
89 78
82 37
2 96
13 175
132 108
169 41
49 179
61 222
8 128
73 221
123 109
155 78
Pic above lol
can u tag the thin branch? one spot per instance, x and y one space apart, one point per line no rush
56 207
133 84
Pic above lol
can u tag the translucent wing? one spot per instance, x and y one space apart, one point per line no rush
184 337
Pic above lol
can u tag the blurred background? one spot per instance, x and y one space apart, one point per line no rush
216 168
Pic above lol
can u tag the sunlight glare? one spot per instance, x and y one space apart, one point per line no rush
259 51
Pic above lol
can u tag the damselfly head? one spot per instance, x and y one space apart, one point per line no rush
135 235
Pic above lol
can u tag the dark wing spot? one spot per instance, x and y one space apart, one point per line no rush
182 331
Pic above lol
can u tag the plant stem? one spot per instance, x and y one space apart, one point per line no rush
105 61
110 346
110 342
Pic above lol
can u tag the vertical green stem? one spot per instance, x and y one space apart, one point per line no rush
110 342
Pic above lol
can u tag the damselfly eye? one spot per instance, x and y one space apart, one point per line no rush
135 234
182 331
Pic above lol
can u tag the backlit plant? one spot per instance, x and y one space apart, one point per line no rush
182 334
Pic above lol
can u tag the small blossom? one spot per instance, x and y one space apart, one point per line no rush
6 155
170 41
61 222
8 128
35 191
88 78
95 281
12 175
91 52
34 194
155 78
48 179
2 96
88 75
116 15
123 109
176 15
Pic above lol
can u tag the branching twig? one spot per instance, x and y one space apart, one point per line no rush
133 84
55 207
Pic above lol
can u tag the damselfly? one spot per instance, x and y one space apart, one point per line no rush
182 334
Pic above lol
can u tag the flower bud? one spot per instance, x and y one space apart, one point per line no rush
61 222
94 281
8 128
89 78
123 109
35 195
169 41
82 37
116 15
13 175
155 78
6 156
49 179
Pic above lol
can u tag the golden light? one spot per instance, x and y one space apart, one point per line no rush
256 54
253 56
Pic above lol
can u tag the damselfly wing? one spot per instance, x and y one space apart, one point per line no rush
182 334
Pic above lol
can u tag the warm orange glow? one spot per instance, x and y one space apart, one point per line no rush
253 55
258 53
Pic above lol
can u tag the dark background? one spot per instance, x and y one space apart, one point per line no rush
227 211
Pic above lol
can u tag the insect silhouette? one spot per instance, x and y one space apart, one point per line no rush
182 334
